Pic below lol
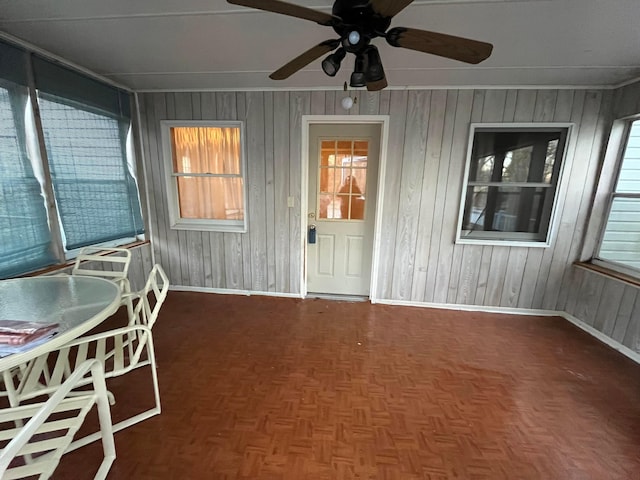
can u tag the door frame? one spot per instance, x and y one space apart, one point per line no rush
307 121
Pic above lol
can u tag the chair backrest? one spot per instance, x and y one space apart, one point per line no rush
151 298
119 351
110 263
35 436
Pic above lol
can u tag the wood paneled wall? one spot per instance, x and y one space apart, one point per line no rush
606 304
610 306
428 134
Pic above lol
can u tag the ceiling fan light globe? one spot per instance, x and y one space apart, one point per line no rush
375 71
331 64
354 37
329 67
357 79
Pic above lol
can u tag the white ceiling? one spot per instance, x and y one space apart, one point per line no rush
212 45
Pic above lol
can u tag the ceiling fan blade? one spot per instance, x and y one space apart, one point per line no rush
377 85
449 46
389 8
290 9
305 59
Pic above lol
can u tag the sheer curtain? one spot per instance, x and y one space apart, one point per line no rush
206 162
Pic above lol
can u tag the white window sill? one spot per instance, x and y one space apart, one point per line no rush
205 226
501 243
610 273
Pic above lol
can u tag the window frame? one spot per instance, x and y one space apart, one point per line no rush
517 239
625 124
176 221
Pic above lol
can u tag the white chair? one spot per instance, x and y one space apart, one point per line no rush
110 263
150 298
37 435
119 351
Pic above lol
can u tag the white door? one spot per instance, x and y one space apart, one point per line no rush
343 177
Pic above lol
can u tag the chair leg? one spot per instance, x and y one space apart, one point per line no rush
106 428
136 418
126 289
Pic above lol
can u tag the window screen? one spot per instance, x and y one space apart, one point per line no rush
25 240
95 192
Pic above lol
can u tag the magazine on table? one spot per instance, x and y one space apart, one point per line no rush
19 335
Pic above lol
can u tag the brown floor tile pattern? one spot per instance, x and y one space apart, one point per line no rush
286 389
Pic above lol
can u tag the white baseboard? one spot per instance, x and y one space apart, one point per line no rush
229 291
473 308
626 351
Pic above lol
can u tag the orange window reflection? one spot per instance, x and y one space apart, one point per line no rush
342 179
206 165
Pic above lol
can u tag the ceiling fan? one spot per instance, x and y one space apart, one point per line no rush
357 22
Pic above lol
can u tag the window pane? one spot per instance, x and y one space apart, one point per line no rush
351 199
514 156
550 160
629 179
484 169
328 181
25 240
328 206
621 240
96 194
516 165
214 150
504 209
212 198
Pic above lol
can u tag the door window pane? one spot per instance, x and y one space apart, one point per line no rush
342 179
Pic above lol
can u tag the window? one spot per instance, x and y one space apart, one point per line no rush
204 164
95 191
81 188
510 183
620 242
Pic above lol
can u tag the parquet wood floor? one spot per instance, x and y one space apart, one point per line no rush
288 389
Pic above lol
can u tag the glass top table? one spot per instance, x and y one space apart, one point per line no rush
76 303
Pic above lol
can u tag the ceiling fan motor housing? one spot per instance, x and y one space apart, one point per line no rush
358 16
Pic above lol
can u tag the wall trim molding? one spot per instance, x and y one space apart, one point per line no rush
626 351
229 291
473 308
402 87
